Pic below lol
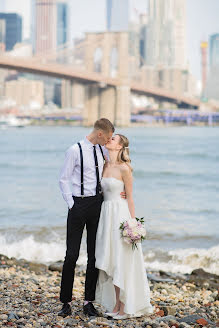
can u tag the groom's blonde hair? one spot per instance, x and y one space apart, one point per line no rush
104 124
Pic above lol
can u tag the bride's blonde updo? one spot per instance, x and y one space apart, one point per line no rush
123 155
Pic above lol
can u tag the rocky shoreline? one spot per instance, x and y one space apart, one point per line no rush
29 297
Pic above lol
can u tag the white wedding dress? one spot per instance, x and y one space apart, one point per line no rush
118 264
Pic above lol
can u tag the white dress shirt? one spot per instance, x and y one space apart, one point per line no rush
71 171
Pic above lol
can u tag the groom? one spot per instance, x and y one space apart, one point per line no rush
83 167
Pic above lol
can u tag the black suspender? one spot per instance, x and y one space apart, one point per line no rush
82 170
82 167
102 153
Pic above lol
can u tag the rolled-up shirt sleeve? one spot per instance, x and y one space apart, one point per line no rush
66 174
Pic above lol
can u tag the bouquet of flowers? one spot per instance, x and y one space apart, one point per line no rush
133 231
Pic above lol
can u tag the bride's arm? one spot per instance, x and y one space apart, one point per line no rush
128 181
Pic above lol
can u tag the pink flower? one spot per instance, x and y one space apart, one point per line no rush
127 240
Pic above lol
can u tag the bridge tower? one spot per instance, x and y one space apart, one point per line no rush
107 53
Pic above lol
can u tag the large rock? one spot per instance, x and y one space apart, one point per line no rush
37 267
57 266
167 318
192 319
156 278
174 276
3 257
204 274
200 277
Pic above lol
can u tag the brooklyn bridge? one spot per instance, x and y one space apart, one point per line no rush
102 64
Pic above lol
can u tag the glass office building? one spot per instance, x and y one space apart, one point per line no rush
212 85
214 50
62 23
117 13
50 24
13 29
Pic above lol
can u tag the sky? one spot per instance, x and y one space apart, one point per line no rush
90 15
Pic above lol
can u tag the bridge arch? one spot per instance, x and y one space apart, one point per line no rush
114 62
97 60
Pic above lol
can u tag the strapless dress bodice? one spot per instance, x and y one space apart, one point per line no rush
112 188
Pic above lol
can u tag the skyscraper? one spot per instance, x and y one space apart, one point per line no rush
214 50
143 39
166 33
62 23
21 8
212 85
117 12
45 33
13 29
51 24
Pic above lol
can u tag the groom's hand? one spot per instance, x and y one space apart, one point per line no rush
123 194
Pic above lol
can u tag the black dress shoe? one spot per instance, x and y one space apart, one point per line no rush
90 310
66 310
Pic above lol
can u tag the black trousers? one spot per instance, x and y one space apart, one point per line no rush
86 211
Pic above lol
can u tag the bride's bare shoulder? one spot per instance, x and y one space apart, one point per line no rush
125 168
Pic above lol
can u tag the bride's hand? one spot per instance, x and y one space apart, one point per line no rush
123 194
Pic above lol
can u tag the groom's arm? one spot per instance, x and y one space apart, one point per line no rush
66 174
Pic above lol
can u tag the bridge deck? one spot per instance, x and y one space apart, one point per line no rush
84 76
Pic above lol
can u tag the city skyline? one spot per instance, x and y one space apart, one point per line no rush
166 34
201 21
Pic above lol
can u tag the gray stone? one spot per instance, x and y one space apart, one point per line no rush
155 278
174 275
147 323
202 273
37 267
100 321
71 322
13 316
166 318
155 325
3 317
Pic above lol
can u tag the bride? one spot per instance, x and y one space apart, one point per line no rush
122 286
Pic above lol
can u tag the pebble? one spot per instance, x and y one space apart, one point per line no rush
30 298
12 316
3 317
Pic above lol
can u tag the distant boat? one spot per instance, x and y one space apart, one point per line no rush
12 121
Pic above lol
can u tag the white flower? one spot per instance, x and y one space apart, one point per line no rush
125 233
135 231
142 232
132 223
